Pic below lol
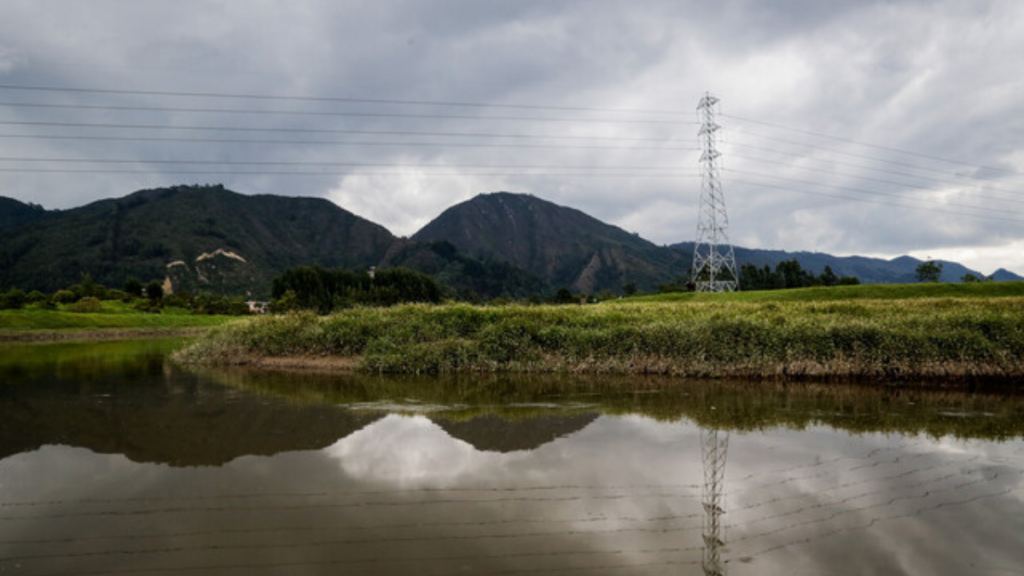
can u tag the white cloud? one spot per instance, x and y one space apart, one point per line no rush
404 199
934 78
11 59
985 259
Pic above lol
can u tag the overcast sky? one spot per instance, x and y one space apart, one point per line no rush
921 102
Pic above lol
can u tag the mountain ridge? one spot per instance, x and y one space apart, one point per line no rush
565 246
497 244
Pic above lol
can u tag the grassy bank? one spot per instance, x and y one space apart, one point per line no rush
852 338
859 292
40 323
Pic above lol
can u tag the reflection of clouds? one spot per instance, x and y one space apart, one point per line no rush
623 490
409 451
618 451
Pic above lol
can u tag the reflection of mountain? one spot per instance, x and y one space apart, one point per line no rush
493 434
182 424
724 405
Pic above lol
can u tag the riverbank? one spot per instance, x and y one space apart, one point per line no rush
862 339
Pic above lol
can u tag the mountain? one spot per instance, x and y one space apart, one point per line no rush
901 270
206 238
470 278
491 433
191 237
167 420
1004 275
563 246
14 213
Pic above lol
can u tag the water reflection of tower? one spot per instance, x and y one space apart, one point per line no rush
713 447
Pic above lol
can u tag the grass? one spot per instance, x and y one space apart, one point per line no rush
112 315
860 292
925 334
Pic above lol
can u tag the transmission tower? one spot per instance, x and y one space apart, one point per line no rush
714 264
713 448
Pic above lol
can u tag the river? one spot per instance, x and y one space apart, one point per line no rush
115 461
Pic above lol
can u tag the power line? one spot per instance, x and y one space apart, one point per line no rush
350 173
870 201
843 153
310 163
329 131
334 99
344 114
332 142
974 182
869 145
869 179
864 191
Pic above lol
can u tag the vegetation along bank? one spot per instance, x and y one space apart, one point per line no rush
893 336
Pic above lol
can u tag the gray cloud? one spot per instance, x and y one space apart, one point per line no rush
937 78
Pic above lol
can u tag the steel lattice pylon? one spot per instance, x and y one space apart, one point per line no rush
714 263
713 447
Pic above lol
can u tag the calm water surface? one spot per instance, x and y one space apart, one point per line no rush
113 461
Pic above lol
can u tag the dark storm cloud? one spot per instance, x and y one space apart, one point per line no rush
935 78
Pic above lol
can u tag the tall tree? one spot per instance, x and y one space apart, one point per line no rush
928 271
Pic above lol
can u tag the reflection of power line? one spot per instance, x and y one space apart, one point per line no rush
328 493
390 539
903 474
481 524
364 504
824 473
344 562
874 520
884 504
306 529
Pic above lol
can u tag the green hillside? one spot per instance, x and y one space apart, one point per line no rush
195 237
563 246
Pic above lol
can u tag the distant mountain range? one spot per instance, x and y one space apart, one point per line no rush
501 244
899 270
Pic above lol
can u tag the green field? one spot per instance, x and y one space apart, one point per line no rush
112 315
859 292
864 332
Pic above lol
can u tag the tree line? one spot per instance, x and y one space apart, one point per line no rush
87 295
789 274
326 290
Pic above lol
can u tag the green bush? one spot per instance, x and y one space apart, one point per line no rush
88 304
15 299
35 297
65 297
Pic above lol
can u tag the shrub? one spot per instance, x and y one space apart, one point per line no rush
35 297
14 299
154 291
89 304
64 297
